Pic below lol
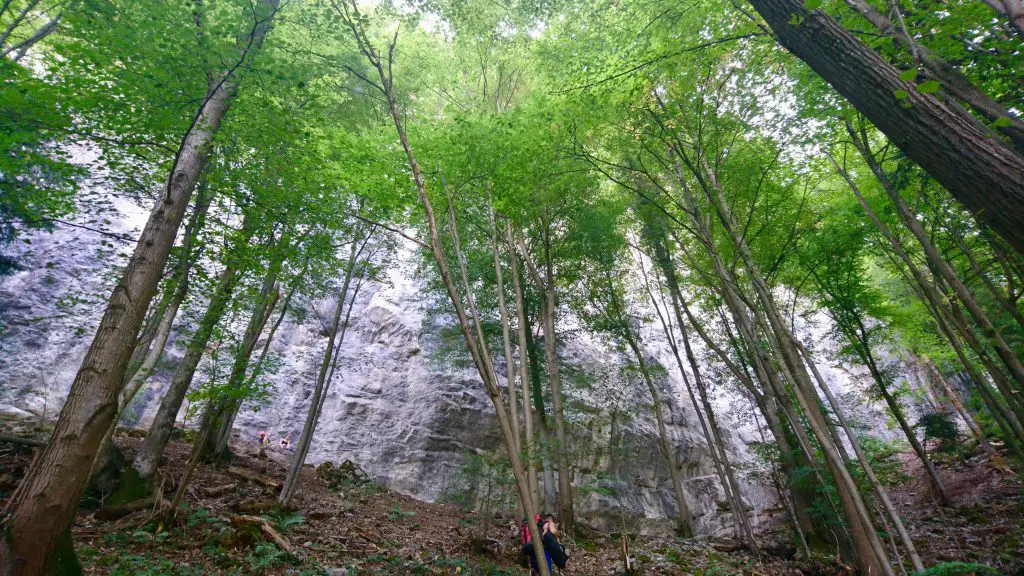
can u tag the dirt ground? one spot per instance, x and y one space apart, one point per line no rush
356 529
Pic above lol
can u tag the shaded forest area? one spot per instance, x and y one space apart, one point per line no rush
710 174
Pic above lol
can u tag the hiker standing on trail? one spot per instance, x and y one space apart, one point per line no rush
554 552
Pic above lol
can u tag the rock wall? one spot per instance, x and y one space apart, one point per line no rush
399 407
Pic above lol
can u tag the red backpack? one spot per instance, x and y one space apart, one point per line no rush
524 530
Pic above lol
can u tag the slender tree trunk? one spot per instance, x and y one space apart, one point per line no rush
872 556
958 405
1011 394
152 448
712 435
774 396
686 520
997 294
939 264
524 379
312 415
845 541
940 310
1013 432
353 20
615 312
548 311
225 409
194 457
985 175
864 349
880 491
163 328
43 506
506 338
544 448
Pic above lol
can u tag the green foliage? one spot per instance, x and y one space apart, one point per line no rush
957 569
883 457
484 483
265 556
285 519
398 514
939 426
38 181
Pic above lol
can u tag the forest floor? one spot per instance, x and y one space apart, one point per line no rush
363 529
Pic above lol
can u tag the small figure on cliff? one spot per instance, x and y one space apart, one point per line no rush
286 442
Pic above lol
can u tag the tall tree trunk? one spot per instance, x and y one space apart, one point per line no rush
353 19
952 80
774 398
312 415
181 280
224 410
524 379
937 304
954 398
872 557
506 338
686 520
548 310
43 506
152 448
712 435
986 175
1013 432
997 294
1011 394
616 313
938 263
163 328
544 428
876 485
864 350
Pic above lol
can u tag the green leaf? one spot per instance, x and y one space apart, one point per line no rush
900 94
929 87
812 4
909 75
1001 122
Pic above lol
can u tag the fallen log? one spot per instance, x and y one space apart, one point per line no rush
118 512
369 539
246 474
13 439
218 491
728 546
270 532
255 506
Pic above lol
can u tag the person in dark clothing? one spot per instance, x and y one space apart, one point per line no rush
553 550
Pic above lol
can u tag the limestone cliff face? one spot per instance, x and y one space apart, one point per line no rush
397 407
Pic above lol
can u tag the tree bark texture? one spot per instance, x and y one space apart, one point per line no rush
43 506
983 174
